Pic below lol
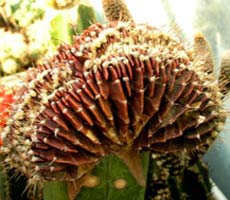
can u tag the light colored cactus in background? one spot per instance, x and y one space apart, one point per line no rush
62 4
13 53
116 10
224 77
19 13
203 53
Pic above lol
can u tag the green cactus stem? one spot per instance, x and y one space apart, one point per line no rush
4 187
55 190
115 181
61 30
86 17
111 179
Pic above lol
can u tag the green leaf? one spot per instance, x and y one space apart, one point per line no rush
55 190
61 30
109 170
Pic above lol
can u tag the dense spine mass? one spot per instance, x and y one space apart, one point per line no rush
120 86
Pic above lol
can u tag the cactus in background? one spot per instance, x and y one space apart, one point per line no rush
61 30
212 27
203 53
62 4
19 14
116 10
12 56
6 101
224 77
181 176
20 44
86 17
4 182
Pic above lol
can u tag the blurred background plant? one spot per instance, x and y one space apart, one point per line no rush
17 21
29 30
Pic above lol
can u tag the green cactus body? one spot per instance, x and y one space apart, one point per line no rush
55 190
4 184
61 30
115 181
86 17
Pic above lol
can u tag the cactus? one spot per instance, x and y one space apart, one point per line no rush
6 100
180 175
86 17
114 181
224 74
203 53
116 10
4 183
22 24
55 190
62 4
102 99
20 14
61 31
99 106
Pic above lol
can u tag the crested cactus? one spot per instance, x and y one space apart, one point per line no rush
120 89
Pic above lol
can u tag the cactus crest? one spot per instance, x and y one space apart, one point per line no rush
119 87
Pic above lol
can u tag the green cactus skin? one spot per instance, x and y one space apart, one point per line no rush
115 182
61 30
110 170
223 80
55 190
4 184
86 17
